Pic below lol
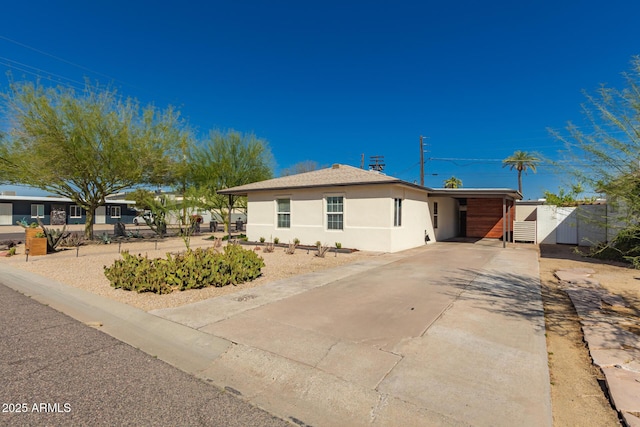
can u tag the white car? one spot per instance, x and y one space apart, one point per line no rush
141 219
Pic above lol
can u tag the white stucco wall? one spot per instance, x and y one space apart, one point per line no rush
448 218
547 223
416 221
368 217
526 212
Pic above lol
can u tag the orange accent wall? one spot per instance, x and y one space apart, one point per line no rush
484 218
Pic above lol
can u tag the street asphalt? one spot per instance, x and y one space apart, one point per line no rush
56 371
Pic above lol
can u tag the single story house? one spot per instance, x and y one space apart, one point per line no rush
367 210
61 210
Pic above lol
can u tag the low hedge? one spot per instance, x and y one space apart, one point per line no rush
194 269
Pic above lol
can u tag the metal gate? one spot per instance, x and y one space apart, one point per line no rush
567 229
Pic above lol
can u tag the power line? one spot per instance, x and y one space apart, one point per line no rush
465 160
57 58
9 63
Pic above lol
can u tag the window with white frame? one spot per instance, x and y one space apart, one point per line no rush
284 213
435 214
75 211
115 211
37 211
397 212
335 212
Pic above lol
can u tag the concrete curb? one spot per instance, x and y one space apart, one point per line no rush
185 348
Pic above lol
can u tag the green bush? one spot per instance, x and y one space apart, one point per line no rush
625 247
238 237
193 269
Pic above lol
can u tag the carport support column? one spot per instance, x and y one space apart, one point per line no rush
512 204
504 220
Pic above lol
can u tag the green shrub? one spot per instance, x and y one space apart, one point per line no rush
138 273
193 269
276 240
625 247
238 237
296 241
262 239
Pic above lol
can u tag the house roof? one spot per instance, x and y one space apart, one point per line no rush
340 175
471 193
56 199
336 175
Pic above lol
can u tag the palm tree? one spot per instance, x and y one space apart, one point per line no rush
452 182
521 161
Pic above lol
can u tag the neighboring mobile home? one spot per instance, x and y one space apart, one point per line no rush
368 210
61 210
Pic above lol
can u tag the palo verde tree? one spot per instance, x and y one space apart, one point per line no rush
228 160
604 154
85 145
452 182
521 161
301 167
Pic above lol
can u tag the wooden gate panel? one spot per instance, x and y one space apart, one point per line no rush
484 218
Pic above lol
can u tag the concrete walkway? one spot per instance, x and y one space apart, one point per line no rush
447 334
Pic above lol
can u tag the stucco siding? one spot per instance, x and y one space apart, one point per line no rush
368 217
415 220
448 217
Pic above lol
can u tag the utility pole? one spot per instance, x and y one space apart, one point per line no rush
421 161
422 138
362 161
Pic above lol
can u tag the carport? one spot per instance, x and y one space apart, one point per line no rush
483 212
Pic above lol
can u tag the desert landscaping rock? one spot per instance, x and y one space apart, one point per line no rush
613 345
577 276
86 272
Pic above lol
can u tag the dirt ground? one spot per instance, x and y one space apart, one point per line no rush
84 270
578 391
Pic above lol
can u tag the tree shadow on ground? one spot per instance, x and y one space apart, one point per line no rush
512 295
576 253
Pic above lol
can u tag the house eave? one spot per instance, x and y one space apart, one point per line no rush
478 193
245 192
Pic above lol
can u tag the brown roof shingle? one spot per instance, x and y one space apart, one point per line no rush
337 175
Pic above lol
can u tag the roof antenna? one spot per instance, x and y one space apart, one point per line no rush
376 163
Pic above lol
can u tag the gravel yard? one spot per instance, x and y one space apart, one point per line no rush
86 270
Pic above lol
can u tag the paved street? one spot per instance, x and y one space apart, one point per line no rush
62 372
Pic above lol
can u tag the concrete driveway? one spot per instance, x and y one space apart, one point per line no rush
448 334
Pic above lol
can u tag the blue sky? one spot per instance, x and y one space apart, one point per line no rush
330 80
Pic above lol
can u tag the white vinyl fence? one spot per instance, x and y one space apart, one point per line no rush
583 225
